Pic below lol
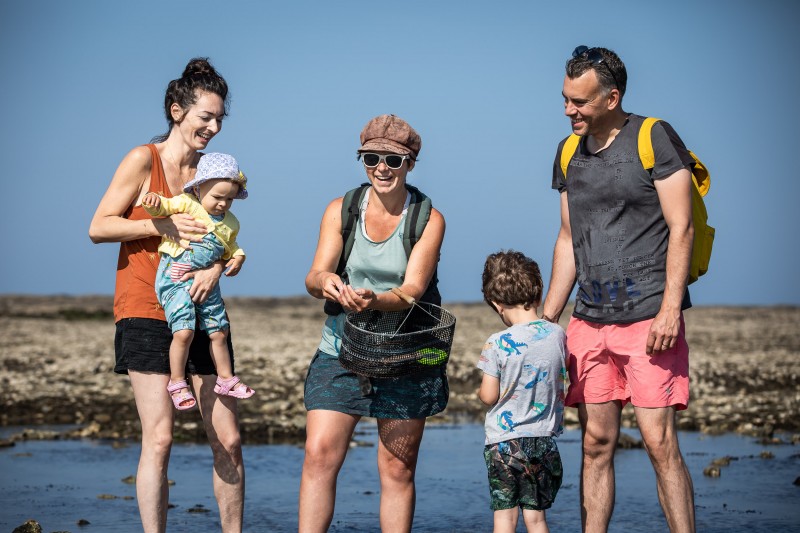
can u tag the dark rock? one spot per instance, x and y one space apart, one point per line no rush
130 480
767 441
723 461
197 509
627 442
31 526
83 522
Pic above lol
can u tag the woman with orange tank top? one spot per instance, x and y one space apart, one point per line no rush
195 105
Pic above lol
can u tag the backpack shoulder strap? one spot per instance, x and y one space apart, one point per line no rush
567 151
351 205
419 212
700 175
646 153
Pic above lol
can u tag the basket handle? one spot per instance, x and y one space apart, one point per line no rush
403 296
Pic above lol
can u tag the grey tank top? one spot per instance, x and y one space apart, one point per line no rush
378 266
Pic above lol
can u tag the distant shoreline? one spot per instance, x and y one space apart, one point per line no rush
57 352
100 297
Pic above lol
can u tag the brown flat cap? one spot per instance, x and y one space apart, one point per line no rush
389 133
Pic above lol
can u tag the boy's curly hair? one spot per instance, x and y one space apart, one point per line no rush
512 278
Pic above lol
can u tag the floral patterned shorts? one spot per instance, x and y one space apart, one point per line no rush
524 472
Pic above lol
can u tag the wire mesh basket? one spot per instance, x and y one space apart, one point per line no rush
397 343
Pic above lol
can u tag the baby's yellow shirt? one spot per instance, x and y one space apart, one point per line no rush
225 230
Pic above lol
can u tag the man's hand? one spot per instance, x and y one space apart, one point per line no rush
664 331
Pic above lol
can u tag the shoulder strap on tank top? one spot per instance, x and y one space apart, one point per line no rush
158 180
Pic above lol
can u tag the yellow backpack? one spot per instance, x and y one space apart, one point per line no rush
703 233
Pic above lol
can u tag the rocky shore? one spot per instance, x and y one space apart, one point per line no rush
57 355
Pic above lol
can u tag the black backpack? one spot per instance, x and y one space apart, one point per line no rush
419 211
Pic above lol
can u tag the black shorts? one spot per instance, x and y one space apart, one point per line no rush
142 344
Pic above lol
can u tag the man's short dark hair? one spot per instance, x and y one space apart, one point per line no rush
511 278
578 65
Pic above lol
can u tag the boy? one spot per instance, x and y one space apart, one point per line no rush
523 383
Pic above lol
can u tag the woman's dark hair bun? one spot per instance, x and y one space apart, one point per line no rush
199 66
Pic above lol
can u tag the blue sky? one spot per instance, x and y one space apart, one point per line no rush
481 82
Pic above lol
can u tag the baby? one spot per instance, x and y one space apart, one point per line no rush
208 198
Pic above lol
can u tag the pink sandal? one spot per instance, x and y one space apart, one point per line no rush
228 387
181 400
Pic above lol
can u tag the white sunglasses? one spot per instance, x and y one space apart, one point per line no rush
393 161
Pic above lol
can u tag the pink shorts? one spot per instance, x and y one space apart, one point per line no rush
608 362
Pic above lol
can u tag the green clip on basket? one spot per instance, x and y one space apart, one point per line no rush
382 344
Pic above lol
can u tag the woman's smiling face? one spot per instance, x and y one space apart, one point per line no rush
202 121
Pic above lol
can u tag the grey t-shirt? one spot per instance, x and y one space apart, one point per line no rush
529 360
619 234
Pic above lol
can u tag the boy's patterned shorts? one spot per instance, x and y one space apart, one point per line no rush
524 472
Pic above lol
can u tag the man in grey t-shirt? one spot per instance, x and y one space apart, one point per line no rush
626 239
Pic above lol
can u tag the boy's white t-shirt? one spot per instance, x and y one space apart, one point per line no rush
529 359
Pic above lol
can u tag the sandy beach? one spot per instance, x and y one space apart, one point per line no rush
57 356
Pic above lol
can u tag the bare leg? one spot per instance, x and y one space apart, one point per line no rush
221 421
220 354
505 520
156 415
535 521
328 436
178 355
600 428
675 490
398 449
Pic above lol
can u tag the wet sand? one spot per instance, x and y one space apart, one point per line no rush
57 355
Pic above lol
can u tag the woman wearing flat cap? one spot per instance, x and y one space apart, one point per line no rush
336 398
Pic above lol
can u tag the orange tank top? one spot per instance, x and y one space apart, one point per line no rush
135 294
